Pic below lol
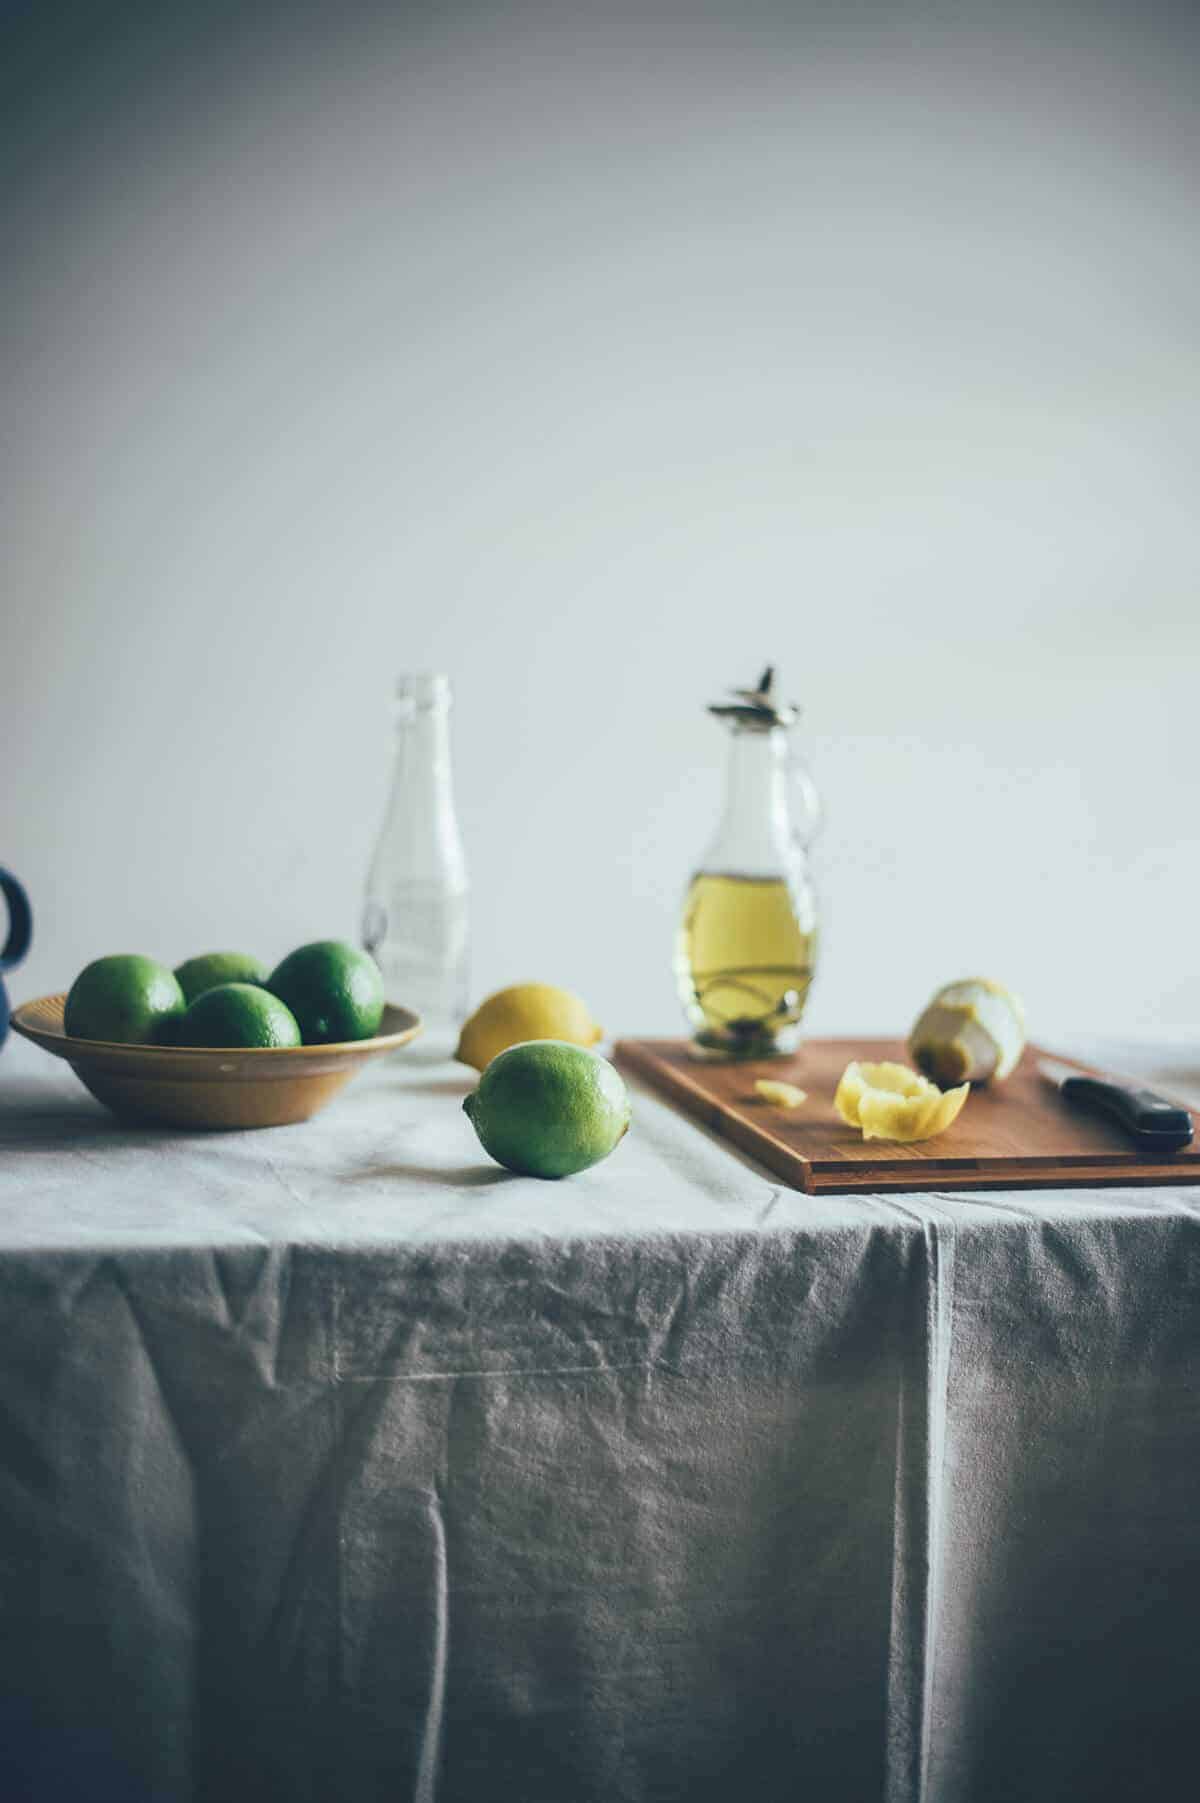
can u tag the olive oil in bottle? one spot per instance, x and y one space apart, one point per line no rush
746 947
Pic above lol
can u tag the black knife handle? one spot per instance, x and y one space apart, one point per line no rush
1153 1121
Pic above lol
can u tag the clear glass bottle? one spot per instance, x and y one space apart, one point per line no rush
415 917
747 942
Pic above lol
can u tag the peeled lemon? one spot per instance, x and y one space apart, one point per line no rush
971 1031
888 1101
522 1012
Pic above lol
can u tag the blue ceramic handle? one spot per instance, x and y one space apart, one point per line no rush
20 933
20 921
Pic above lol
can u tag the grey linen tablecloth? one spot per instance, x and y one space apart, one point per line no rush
337 1464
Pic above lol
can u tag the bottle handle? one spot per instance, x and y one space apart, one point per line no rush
808 816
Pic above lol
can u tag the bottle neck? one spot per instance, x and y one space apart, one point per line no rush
754 837
421 824
422 755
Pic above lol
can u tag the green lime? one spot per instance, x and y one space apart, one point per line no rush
199 974
125 998
237 1014
546 1108
334 990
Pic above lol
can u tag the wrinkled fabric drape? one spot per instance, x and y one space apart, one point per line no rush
335 1464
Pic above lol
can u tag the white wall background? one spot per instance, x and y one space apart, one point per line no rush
598 360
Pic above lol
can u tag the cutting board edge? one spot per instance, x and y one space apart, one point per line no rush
1047 1178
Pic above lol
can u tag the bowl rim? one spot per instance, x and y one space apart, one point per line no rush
56 1039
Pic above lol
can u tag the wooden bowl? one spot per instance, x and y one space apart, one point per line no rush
208 1086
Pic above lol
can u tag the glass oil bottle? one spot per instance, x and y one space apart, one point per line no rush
747 941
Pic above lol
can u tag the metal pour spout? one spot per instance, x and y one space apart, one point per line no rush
757 707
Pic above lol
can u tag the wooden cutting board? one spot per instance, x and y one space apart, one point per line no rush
1013 1135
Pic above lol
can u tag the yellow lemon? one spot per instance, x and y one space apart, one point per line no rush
888 1101
522 1012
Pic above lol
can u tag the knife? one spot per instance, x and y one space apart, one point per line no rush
1153 1123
